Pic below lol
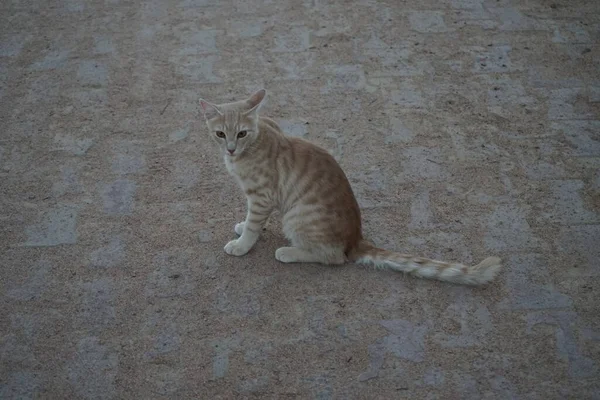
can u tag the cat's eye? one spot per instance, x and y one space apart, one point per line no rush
220 134
242 134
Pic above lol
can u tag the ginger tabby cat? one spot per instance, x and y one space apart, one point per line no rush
302 181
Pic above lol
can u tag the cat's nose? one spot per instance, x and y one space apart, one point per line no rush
231 151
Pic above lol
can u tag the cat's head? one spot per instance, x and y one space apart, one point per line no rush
234 126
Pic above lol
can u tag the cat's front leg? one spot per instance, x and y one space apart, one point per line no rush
239 228
257 216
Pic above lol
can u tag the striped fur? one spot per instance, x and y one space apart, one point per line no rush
305 184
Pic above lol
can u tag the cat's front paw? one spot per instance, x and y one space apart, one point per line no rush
239 228
235 248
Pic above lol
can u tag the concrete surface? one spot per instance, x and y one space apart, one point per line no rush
468 128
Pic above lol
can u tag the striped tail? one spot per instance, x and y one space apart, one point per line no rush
480 274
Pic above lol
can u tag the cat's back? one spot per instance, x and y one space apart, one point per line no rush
305 165
306 161
268 125
314 187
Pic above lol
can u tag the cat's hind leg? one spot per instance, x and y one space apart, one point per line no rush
301 255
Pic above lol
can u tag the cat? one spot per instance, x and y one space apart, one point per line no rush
321 217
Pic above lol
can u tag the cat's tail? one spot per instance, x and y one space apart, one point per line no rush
480 274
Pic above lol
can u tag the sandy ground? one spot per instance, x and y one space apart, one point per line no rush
468 128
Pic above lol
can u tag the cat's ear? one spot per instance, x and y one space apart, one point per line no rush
256 100
209 110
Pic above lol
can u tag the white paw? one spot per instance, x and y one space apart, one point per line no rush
235 248
284 255
239 228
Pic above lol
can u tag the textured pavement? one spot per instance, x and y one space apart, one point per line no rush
468 128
